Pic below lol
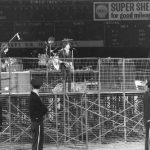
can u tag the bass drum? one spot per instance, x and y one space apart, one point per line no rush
53 63
42 59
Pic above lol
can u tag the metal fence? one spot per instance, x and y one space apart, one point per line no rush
103 106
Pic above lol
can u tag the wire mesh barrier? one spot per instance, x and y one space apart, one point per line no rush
104 104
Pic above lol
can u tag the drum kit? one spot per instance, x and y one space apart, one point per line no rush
50 58
52 62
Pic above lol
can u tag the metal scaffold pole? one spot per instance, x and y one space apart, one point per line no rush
10 101
86 115
99 100
124 101
64 107
56 113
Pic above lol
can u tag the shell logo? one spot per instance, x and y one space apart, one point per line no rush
102 11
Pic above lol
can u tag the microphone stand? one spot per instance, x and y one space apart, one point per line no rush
73 69
12 38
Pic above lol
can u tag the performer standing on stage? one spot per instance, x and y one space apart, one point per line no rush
66 66
37 111
146 103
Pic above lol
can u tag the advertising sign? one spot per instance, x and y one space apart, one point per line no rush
121 10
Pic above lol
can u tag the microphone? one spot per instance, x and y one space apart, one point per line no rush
73 49
18 36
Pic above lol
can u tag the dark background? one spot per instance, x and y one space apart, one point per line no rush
36 21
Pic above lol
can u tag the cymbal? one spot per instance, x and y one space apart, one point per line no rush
51 40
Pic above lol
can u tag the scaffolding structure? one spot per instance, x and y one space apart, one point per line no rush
104 105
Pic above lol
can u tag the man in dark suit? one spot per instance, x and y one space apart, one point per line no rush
37 111
66 66
146 104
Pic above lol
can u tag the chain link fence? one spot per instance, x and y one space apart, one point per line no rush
104 105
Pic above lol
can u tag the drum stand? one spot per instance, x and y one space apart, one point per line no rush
48 61
50 42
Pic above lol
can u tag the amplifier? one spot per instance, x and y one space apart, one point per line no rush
15 82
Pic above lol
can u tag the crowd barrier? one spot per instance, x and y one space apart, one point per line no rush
103 106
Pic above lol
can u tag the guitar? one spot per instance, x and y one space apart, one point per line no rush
68 65
57 62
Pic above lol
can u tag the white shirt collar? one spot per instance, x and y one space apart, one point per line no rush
36 91
67 50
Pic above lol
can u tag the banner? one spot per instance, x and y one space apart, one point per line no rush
42 44
121 10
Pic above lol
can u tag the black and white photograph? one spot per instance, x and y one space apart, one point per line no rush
74 74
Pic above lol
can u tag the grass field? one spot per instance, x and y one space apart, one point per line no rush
114 146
